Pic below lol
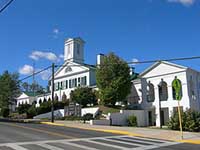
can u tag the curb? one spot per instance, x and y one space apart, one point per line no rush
120 132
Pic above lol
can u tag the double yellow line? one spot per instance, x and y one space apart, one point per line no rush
39 130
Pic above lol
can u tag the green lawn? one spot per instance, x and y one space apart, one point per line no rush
106 110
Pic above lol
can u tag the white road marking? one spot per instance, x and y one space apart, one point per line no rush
16 147
109 145
79 146
118 139
50 147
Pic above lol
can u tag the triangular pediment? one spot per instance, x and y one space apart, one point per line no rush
162 68
22 96
71 68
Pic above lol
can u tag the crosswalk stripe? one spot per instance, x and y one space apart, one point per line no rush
123 142
109 145
79 146
147 139
50 147
16 147
112 142
140 141
154 146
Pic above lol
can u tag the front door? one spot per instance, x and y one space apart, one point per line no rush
162 117
150 117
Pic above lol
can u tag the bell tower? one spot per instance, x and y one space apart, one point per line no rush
74 50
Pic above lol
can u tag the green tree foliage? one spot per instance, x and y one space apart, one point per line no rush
83 96
23 108
31 110
9 91
190 121
113 80
34 87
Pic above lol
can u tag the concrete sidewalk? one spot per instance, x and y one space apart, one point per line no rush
165 134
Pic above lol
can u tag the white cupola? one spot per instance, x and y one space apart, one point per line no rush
74 50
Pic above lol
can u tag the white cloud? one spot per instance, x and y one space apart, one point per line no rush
135 61
26 70
61 56
183 2
36 55
56 32
45 74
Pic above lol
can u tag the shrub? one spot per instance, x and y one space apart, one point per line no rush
132 121
190 121
87 117
18 116
32 111
5 112
23 108
44 108
71 118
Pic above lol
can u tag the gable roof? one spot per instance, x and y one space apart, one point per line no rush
31 94
158 63
72 64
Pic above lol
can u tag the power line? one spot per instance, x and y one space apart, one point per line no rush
35 73
5 6
139 62
171 59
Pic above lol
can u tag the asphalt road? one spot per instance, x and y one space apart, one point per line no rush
20 136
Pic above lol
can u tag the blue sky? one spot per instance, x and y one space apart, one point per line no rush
133 29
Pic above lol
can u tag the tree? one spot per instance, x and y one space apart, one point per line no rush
25 86
33 87
113 80
83 96
9 91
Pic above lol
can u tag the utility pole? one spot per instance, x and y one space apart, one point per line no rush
52 93
34 85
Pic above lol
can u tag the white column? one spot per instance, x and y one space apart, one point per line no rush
170 111
157 116
157 107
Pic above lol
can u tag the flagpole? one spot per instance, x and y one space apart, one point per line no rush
180 120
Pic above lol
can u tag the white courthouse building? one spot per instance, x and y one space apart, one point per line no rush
73 73
154 92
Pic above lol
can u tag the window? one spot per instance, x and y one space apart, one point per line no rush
83 80
70 83
78 49
75 82
64 97
66 84
79 82
63 85
45 100
57 86
177 89
191 84
163 90
68 69
68 50
56 97
150 92
40 101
